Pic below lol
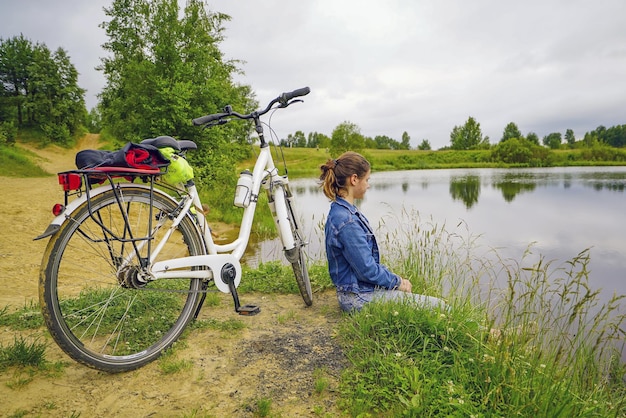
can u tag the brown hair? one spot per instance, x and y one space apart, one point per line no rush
336 172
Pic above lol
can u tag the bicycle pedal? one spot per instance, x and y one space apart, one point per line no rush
248 310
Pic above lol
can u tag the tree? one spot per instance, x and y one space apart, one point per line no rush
406 141
553 140
16 55
385 142
296 140
41 87
164 68
346 137
469 136
424 145
317 140
533 137
511 131
570 138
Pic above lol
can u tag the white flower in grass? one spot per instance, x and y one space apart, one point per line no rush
396 313
398 354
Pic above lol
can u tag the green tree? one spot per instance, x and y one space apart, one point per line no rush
570 138
41 87
533 137
16 55
385 142
468 136
552 140
424 145
346 137
296 140
406 141
164 68
317 140
520 151
511 131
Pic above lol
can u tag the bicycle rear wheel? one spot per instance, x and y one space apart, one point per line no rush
297 256
93 300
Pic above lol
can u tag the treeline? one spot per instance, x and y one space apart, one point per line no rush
601 145
38 88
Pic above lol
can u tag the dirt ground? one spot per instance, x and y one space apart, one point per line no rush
278 356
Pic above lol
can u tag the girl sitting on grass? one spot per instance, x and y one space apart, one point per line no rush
351 247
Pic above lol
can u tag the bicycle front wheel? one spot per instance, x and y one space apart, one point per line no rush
297 256
95 301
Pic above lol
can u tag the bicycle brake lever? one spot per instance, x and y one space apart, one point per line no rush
215 123
283 105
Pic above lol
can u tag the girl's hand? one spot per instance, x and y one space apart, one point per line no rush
405 285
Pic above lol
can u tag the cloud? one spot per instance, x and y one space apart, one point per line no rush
420 67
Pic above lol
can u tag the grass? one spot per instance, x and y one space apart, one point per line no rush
275 277
557 353
22 353
17 162
28 317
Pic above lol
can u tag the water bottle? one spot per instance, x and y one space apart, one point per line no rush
243 192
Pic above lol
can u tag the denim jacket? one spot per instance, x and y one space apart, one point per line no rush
352 252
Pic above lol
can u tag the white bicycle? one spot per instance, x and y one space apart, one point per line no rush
128 264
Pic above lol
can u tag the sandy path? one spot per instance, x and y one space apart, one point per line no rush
274 357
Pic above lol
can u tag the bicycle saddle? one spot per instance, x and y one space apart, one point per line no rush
168 141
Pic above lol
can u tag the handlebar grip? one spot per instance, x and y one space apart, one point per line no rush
208 118
285 97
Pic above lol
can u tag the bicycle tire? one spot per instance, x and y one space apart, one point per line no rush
89 312
297 256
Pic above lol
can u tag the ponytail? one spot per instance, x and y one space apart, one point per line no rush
336 172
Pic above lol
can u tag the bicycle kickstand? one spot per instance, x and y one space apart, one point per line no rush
228 276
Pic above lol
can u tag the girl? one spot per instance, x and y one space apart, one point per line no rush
351 248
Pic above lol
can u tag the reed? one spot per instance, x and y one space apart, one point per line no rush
526 337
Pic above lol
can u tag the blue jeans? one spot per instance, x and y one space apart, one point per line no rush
349 301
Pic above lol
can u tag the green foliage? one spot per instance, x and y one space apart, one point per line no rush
162 71
546 346
511 131
29 317
22 353
468 136
346 137
40 89
552 140
8 133
424 145
520 151
276 277
93 121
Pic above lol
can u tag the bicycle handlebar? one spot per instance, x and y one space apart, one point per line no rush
283 101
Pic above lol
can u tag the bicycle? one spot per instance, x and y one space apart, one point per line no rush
129 262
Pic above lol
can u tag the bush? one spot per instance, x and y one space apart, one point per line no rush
521 151
8 133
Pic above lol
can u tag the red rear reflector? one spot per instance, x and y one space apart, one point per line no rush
70 181
57 209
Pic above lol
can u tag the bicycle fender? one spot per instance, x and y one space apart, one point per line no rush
56 223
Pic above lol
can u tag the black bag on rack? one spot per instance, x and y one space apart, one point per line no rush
132 155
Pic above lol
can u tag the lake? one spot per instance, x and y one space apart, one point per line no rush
561 210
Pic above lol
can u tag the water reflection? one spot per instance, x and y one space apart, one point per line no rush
510 186
466 188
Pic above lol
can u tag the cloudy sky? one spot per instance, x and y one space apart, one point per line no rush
420 66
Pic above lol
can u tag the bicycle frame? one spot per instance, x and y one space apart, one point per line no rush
221 256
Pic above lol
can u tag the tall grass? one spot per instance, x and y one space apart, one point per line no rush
554 349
